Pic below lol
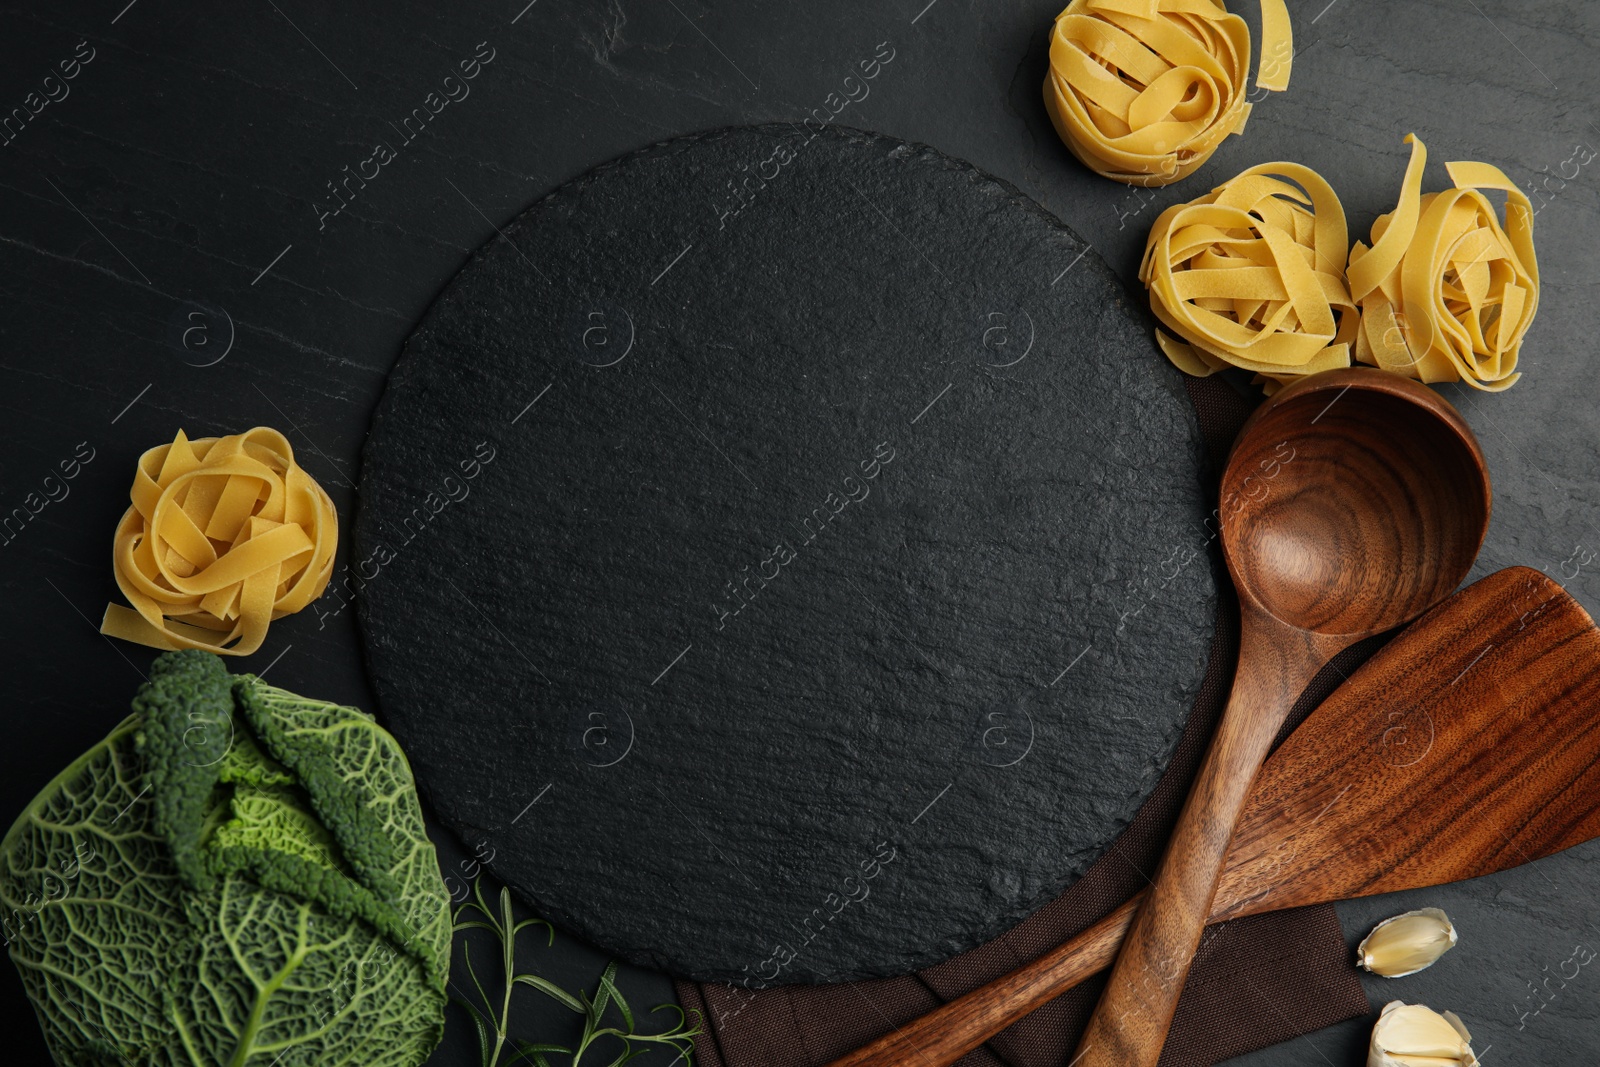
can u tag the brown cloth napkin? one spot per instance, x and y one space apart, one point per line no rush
1255 982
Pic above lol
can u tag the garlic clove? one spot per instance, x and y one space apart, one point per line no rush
1407 943
1413 1035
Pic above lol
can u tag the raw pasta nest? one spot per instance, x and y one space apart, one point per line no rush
225 534
1446 292
1143 91
1252 275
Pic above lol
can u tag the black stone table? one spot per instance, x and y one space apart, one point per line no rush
171 252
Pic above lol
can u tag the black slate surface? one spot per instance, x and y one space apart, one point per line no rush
806 515
198 143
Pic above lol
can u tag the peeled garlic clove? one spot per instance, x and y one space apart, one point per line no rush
1412 1035
1407 943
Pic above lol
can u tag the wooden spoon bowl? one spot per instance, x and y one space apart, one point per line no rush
1354 501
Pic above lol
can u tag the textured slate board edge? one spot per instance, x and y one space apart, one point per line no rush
1151 769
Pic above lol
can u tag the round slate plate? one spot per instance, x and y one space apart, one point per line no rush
783 557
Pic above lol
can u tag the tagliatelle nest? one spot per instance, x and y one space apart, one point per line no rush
1252 275
1446 293
1143 91
225 534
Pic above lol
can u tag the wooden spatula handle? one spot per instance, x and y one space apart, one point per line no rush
1129 1027
947 1033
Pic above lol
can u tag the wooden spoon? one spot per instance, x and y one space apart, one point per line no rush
1469 744
1353 501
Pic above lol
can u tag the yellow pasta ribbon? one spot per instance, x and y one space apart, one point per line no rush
225 534
1446 292
1143 91
1246 276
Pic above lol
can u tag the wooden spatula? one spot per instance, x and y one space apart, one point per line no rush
1469 744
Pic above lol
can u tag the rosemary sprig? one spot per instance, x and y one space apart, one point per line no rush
490 1017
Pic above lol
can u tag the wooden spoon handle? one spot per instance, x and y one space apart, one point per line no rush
947 1033
1129 1027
